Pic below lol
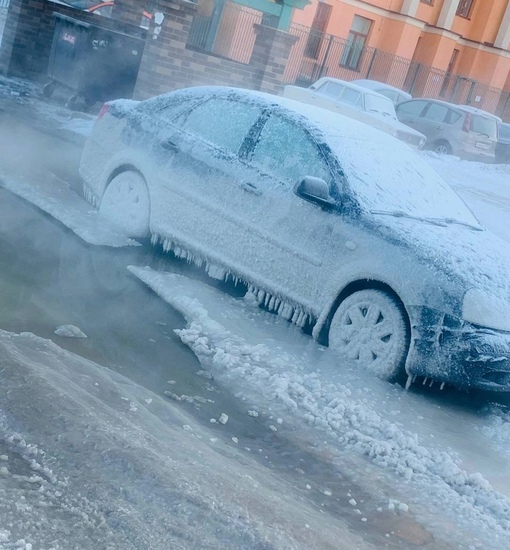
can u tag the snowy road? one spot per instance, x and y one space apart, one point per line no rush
312 455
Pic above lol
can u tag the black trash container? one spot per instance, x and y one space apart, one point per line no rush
97 64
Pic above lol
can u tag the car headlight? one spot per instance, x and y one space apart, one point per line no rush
485 310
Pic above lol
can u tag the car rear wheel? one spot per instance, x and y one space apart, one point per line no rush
370 328
126 203
443 148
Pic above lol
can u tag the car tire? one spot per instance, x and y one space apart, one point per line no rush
48 89
442 148
126 203
371 328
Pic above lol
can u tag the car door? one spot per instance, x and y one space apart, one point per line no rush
297 232
410 113
198 202
433 121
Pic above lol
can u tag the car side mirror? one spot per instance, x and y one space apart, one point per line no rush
314 190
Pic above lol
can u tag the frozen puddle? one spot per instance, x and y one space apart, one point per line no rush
54 197
271 364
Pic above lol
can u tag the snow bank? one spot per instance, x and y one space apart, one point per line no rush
310 386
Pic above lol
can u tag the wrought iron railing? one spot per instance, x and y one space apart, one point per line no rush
229 32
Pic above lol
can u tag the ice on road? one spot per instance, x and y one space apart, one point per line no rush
263 359
89 460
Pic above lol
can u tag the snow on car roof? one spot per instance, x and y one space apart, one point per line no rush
383 172
376 85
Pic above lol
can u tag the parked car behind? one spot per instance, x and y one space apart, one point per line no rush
333 224
452 129
359 103
503 146
396 95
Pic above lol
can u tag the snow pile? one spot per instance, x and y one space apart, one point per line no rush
70 331
349 415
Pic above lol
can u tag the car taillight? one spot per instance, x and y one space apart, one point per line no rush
104 109
466 127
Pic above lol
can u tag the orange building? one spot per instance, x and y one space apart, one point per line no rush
470 38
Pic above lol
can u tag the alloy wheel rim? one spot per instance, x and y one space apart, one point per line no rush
365 334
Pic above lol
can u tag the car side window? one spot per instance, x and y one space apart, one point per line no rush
412 107
288 152
224 123
436 112
352 97
331 89
452 117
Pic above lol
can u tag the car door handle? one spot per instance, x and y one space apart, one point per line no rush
439 127
169 145
250 188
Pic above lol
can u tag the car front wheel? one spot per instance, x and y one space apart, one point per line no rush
443 148
370 328
126 204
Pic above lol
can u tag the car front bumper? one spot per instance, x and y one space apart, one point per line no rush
448 349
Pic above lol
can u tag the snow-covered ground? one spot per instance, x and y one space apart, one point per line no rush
109 464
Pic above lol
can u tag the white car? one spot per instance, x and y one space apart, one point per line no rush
396 95
357 102
334 226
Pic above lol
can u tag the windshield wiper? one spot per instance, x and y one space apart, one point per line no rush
401 214
458 222
441 222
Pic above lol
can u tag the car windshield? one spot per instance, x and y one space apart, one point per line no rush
411 186
378 104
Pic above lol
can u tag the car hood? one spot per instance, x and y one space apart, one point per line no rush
476 259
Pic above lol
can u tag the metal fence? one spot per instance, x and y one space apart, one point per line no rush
316 54
228 31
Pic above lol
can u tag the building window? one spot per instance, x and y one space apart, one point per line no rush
356 40
464 9
319 25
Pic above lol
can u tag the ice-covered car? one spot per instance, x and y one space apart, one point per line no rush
359 103
332 224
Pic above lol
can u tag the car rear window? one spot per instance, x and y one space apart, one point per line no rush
331 89
484 125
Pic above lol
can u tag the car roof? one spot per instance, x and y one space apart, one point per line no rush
376 85
314 118
347 84
481 112
464 108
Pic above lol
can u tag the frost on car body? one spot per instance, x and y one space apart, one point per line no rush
236 181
